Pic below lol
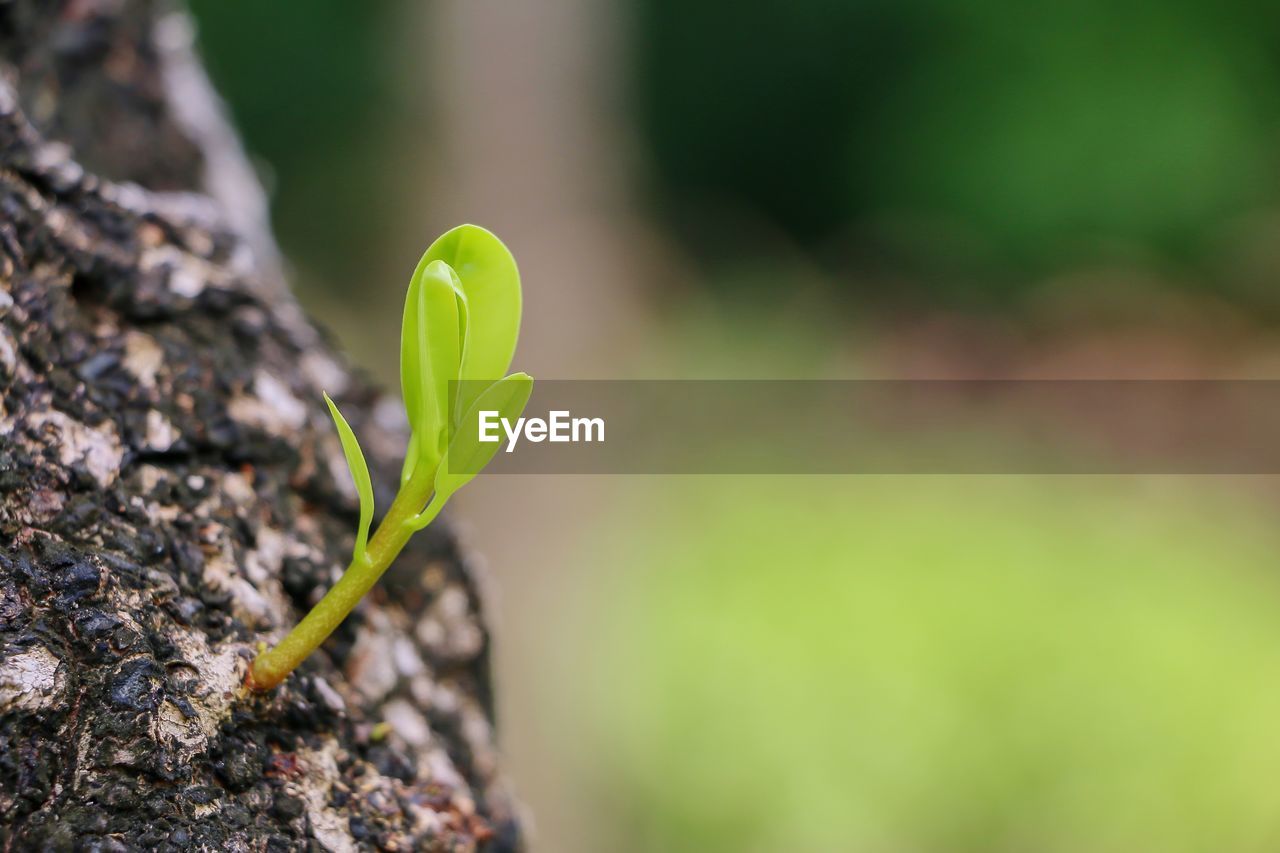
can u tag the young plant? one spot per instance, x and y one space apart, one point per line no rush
461 319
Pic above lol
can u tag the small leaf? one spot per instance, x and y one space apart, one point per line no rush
359 474
467 454
491 283
440 357
410 380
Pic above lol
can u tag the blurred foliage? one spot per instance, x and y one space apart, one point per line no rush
934 664
309 86
1034 132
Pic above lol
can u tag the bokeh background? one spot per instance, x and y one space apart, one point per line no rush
831 188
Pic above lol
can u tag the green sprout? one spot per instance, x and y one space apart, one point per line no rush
461 320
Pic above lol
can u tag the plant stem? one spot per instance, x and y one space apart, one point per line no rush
273 666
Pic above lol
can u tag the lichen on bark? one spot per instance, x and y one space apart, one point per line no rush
171 493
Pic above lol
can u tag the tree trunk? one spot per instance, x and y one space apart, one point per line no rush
172 493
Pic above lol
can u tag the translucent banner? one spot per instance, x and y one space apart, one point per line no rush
883 427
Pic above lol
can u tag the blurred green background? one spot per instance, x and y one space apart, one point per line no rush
831 189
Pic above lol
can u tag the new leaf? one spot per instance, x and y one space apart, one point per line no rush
440 356
359 475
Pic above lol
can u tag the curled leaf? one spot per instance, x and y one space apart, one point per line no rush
410 345
441 331
359 475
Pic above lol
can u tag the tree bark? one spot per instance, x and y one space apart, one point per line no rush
172 493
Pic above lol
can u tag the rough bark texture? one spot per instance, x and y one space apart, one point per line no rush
172 493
